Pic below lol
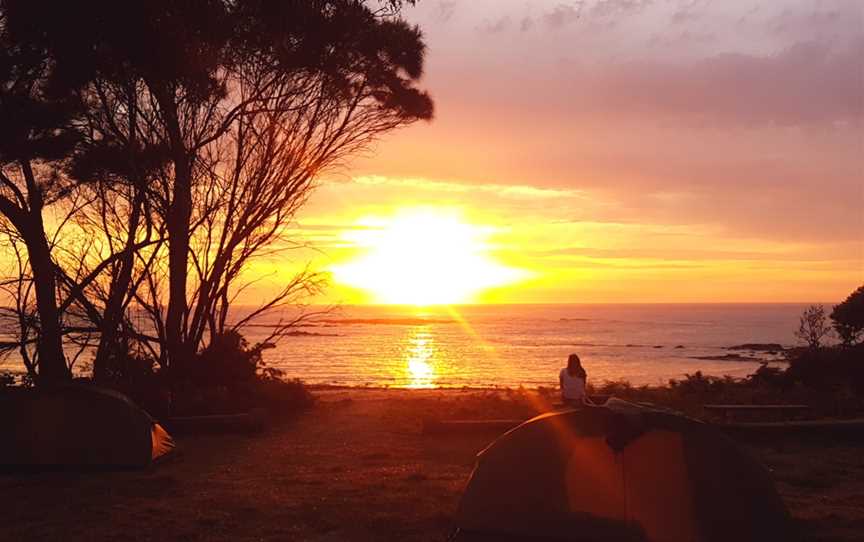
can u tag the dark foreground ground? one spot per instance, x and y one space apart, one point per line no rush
355 467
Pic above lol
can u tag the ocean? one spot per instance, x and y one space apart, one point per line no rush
526 345
522 345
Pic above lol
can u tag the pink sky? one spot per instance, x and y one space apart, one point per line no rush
635 149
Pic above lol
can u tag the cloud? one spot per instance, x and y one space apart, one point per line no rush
509 191
683 39
689 12
835 21
562 15
758 126
802 85
526 24
444 10
793 254
497 26
612 8
627 263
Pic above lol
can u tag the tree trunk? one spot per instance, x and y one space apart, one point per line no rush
52 361
117 293
177 224
178 218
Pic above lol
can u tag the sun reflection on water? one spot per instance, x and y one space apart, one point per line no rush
421 350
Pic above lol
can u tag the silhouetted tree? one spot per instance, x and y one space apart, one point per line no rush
211 119
36 135
813 326
848 317
119 165
19 322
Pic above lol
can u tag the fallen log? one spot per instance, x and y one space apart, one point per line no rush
244 422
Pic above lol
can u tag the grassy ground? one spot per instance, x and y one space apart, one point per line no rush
355 467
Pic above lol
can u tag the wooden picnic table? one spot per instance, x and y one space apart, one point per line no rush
774 411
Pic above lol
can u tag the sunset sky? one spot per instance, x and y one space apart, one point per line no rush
617 151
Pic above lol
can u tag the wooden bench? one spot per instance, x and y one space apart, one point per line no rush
729 412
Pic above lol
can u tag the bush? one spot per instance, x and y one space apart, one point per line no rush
136 376
282 397
227 360
829 369
16 380
848 318
229 377
813 326
766 375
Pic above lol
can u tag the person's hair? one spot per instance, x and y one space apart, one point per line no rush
574 367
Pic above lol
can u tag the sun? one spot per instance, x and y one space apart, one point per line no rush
422 257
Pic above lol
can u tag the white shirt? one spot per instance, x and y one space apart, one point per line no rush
572 387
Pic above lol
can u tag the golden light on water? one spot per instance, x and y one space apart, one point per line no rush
420 353
423 257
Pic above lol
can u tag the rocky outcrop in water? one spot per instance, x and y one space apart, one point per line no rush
758 347
728 357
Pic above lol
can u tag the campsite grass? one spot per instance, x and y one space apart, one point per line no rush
354 467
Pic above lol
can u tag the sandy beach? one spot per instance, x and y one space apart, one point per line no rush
357 466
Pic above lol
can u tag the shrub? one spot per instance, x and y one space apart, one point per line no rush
7 380
813 326
282 397
136 375
229 376
829 369
770 376
227 360
848 318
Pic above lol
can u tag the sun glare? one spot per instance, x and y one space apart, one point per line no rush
419 360
423 257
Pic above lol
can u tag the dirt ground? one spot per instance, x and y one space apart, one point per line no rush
355 467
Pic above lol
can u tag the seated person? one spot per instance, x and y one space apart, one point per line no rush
572 380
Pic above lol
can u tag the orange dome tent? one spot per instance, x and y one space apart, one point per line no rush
619 472
77 425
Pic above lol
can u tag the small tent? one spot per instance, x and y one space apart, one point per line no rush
77 425
619 472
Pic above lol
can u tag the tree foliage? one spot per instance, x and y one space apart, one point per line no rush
36 138
848 318
813 326
193 133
